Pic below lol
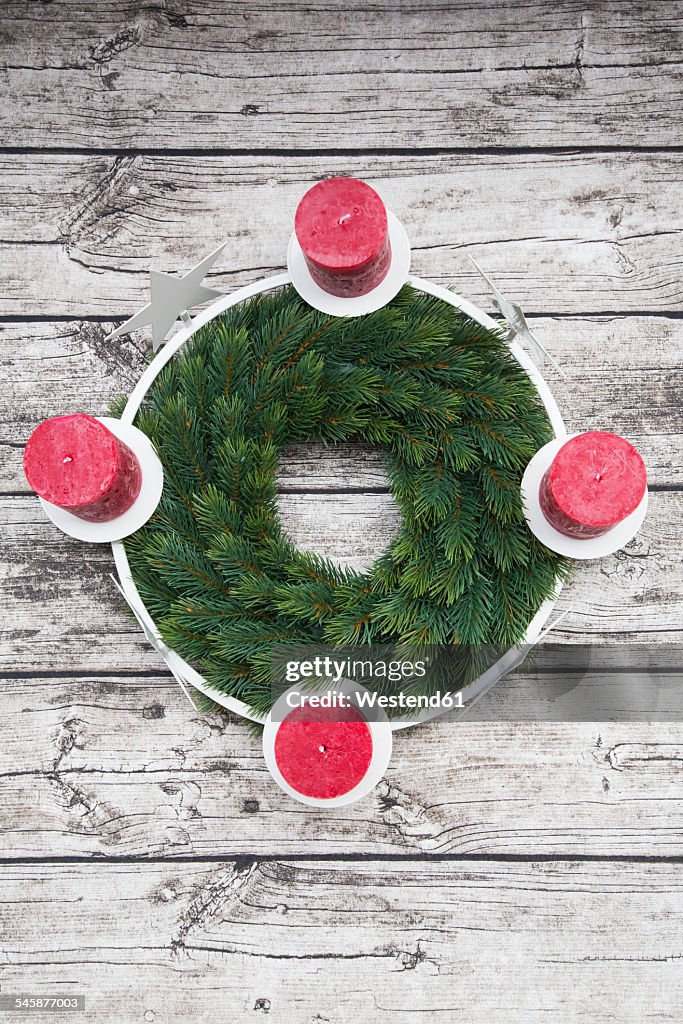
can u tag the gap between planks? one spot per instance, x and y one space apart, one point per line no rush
364 151
247 860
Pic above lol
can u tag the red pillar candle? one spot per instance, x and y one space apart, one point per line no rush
341 226
77 463
594 482
323 753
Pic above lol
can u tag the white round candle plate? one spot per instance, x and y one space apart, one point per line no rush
225 302
382 742
338 305
142 508
572 547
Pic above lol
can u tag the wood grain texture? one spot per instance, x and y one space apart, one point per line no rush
561 233
600 356
256 75
344 942
144 134
120 767
66 615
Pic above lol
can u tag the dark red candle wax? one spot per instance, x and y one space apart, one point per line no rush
341 226
595 481
323 752
77 463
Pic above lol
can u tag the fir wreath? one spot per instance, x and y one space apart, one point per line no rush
459 419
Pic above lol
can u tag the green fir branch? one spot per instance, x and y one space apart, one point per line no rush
459 420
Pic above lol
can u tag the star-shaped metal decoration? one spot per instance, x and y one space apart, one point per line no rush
517 321
171 298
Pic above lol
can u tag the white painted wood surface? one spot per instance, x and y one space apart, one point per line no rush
350 941
576 232
67 615
600 355
118 767
435 75
505 872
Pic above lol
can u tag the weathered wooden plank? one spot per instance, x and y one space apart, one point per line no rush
560 233
222 76
621 375
65 613
339 942
125 767
469 35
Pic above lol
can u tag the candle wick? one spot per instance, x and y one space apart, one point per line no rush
67 458
598 477
322 748
344 218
